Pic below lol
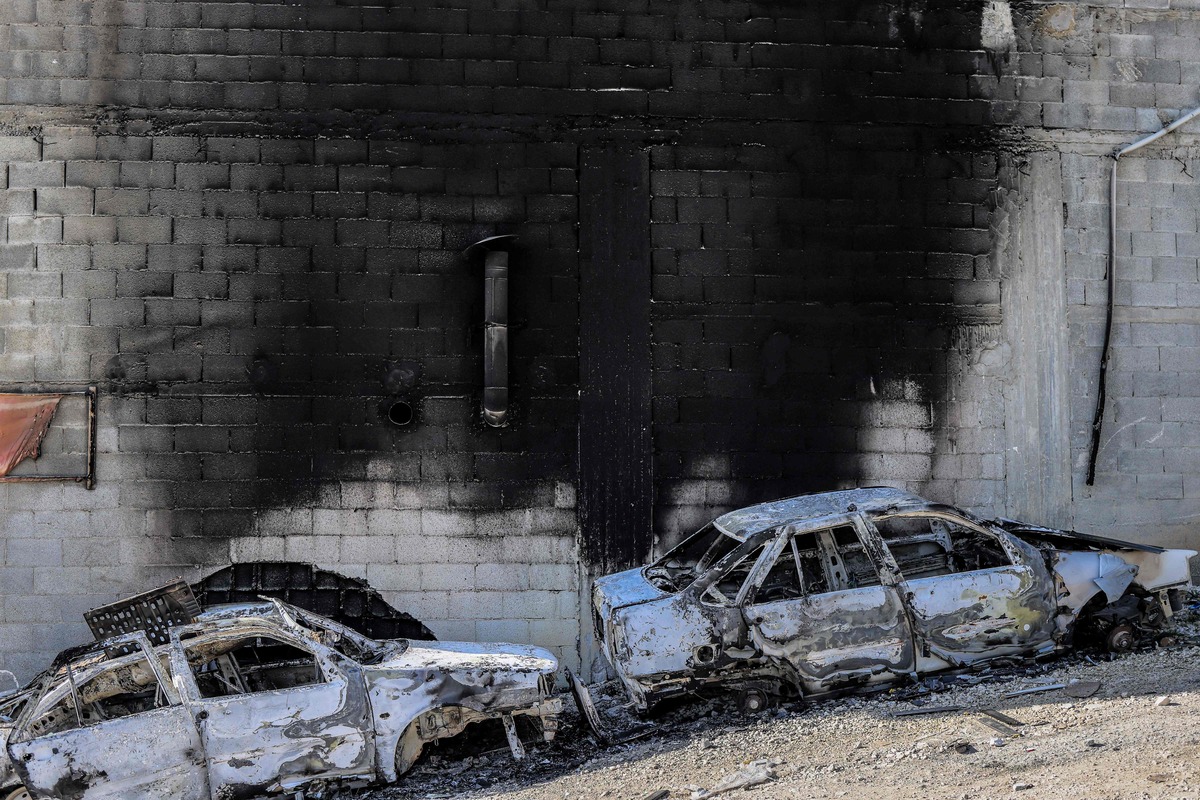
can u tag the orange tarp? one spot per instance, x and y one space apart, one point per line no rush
24 419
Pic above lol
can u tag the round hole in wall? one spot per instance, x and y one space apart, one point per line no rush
400 413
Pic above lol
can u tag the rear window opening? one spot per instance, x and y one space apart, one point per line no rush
927 546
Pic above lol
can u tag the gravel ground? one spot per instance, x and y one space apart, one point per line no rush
1135 737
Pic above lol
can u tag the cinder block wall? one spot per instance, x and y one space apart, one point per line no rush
167 269
1097 78
237 218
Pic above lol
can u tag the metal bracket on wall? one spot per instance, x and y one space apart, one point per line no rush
88 478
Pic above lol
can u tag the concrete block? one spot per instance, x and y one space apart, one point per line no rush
64 201
19 148
312 549
1153 243
1158 295
446 577
494 630
33 553
36 174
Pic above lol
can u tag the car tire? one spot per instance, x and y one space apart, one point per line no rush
19 793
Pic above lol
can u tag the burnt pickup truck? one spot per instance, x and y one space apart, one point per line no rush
256 699
825 592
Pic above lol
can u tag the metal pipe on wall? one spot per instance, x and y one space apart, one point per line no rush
495 327
1106 349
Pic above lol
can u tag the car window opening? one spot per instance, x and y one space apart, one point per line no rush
796 573
733 575
225 667
691 558
927 546
857 568
125 688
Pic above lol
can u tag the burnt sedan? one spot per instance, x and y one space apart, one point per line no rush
258 699
830 591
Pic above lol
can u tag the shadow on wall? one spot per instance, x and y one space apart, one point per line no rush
805 348
350 601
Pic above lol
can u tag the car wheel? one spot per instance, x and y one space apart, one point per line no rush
20 793
752 701
1120 638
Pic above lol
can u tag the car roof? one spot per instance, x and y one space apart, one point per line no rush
750 520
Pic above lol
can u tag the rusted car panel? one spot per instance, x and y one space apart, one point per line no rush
821 592
259 699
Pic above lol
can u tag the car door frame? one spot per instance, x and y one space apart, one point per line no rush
813 679
935 649
336 668
185 772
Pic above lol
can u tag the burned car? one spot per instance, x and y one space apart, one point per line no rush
826 592
255 699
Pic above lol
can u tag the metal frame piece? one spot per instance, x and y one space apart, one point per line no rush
88 479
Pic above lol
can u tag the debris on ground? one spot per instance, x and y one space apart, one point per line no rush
854 746
755 773
912 712
1081 689
1035 689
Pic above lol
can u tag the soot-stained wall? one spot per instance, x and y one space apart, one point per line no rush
244 222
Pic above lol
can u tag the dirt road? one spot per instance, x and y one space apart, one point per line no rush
1125 741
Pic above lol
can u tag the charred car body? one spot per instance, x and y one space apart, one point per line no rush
256 699
824 592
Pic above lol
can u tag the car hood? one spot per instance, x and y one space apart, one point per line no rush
623 589
470 657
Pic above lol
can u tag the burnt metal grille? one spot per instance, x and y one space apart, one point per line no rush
154 612
350 601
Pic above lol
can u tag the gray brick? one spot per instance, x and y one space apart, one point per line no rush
202 176
68 144
179 148
143 174
33 284
35 230
144 230
16 202
116 312
19 148
92 173
64 202
89 229
16 257
36 174
1146 243
1175 220
119 256
1077 92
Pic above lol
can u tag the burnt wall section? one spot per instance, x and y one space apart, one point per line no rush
245 304
616 463
245 221
350 601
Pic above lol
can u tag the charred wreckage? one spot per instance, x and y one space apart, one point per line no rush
802 597
253 699
827 592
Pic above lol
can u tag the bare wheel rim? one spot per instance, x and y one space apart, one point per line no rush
18 794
